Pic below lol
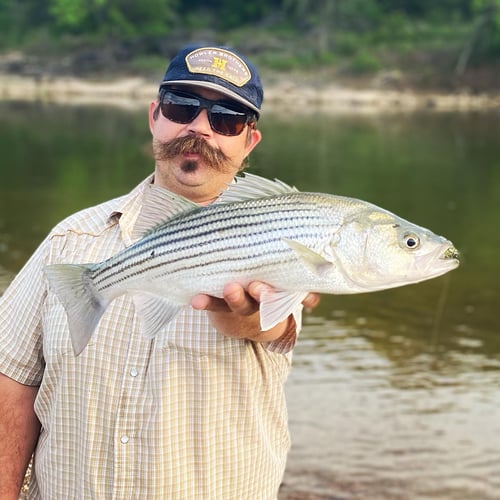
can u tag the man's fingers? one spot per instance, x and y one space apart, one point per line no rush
255 289
311 301
238 300
209 303
235 300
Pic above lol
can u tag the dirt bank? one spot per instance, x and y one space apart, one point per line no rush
136 92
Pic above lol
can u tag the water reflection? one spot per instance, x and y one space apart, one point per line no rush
393 394
419 425
5 278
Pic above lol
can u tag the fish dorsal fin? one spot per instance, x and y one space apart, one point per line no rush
253 186
159 206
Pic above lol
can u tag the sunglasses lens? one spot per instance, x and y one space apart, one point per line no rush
227 121
179 109
225 118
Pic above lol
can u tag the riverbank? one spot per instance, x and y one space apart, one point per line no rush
285 92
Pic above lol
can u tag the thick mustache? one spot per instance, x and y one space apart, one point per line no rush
213 157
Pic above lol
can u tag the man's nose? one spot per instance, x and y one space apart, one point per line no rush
201 125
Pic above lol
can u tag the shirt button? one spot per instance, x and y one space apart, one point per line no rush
124 439
134 372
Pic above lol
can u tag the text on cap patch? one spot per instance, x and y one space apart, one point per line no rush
219 62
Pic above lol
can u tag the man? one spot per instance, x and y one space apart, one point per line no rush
197 412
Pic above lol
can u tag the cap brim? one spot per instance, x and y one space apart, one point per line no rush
213 86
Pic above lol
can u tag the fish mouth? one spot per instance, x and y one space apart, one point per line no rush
450 257
451 253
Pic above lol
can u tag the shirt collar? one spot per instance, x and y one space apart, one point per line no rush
128 209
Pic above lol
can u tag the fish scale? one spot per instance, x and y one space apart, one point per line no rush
258 230
181 242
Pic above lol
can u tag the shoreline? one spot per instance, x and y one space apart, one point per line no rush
136 92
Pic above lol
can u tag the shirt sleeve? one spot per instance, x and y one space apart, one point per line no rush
21 307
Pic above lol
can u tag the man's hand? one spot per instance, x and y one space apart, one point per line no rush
237 314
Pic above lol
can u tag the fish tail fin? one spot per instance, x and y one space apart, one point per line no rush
83 303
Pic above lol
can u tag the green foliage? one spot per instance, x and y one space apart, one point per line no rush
68 14
302 15
321 30
113 17
346 43
19 17
281 62
487 32
226 14
364 62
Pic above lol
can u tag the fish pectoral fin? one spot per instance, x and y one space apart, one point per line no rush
276 306
313 260
154 312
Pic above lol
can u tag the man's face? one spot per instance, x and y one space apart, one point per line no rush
199 163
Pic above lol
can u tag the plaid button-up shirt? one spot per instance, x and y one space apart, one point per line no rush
190 414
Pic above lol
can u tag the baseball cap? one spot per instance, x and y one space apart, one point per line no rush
218 68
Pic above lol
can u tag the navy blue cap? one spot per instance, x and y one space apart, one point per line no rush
218 68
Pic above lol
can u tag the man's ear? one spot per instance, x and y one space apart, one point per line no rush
151 114
254 137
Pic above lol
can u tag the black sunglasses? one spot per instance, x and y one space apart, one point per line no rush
225 117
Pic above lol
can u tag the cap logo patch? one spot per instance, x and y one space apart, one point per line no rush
219 62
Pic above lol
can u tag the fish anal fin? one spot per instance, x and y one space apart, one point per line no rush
154 312
277 305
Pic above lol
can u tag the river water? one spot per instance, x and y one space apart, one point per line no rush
393 395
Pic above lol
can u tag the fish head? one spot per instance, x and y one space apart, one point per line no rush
379 250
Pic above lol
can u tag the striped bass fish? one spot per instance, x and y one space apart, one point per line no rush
258 229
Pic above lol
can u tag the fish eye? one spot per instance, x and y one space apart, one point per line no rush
411 241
